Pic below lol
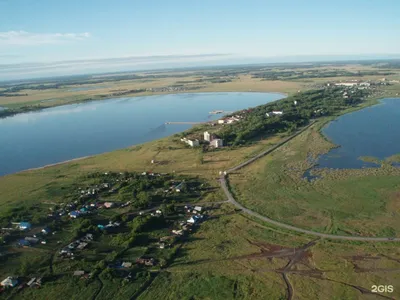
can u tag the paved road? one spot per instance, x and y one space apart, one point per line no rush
232 200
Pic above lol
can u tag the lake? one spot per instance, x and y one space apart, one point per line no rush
35 139
373 131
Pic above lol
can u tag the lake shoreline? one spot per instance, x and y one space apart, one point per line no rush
238 98
38 107
376 101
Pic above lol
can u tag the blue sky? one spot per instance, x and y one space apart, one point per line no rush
47 31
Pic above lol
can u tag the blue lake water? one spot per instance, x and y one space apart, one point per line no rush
61 133
373 131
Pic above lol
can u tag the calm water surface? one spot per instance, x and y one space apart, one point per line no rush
53 135
373 131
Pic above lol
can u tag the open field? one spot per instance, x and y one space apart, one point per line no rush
248 260
356 202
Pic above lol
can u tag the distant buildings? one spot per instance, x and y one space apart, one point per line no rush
346 83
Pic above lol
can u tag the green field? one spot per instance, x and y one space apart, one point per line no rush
356 202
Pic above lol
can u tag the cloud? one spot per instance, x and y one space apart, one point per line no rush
23 38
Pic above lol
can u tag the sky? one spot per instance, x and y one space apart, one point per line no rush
48 37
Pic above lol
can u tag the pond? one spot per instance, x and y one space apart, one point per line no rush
371 132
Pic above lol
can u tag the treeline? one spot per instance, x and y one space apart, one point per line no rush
309 105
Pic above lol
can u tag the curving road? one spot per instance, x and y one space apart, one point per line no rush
232 200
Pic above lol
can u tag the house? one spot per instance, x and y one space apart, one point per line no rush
82 246
222 121
177 232
193 143
46 230
274 113
79 273
277 112
162 245
109 204
30 282
198 208
24 243
158 212
32 240
146 261
207 136
193 219
126 265
74 214
217 143
24 226
9 282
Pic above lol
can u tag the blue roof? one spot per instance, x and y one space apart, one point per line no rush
24 243
74 213
25 224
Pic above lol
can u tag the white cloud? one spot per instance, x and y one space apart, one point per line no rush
23 38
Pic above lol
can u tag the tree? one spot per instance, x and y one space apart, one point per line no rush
143 199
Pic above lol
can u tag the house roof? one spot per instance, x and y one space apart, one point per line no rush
9 281
25 224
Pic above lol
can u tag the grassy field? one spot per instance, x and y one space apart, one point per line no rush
232 257
358 202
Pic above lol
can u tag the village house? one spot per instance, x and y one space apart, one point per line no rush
146 261
109 204
192 143
74 214
32 240
207 136
9 282
79 273
46 230
274 113
24 243
126 265
217 143
24 226
198 208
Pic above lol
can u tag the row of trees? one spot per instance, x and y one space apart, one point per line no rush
309 104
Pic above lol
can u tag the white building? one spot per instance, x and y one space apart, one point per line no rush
276 112
9 282
207 136
193 143
346 84
217 143
221 121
